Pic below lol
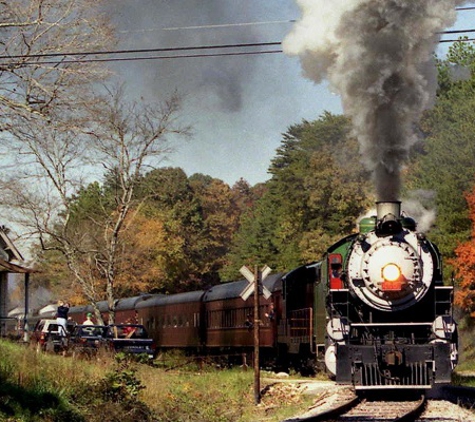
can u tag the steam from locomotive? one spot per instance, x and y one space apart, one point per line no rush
377 55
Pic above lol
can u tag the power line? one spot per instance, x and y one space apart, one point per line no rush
457 31
130 59
230 25
168 50
226 25
145 50
181 56
464 40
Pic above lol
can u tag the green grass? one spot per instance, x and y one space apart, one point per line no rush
465 371
43 387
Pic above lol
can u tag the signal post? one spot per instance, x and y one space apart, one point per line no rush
255 285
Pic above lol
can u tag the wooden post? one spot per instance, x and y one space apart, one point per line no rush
257 381
26 328
255 280
244 361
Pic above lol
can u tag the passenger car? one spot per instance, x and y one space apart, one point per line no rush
87 340
130 338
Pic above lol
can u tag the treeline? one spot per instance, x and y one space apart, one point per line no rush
191 232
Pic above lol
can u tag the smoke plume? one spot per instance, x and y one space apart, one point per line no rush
378 55
159 23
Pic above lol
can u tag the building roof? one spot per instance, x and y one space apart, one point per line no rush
8 247
9 267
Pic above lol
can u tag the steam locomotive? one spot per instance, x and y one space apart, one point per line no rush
374 311
390 322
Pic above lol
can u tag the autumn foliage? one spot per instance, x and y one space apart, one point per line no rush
464 264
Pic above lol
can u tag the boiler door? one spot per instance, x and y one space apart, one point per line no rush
390 274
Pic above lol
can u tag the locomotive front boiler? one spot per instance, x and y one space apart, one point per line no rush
389 313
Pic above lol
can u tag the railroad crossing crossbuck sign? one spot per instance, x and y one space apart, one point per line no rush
251 277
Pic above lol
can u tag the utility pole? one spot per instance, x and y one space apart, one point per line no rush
257 323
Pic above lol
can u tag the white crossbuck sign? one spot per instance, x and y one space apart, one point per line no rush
250 276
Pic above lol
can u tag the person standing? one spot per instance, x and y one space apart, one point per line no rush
88 320
62 316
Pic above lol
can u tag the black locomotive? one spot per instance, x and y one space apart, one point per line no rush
390 322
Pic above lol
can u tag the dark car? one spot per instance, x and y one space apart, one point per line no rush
86 340
130 338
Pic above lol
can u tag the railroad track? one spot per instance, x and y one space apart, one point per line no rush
445 404
367 410
384 411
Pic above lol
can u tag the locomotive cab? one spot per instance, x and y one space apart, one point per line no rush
301 332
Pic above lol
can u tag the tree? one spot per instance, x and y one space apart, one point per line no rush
44 84
444 162
318 189
170 197
42 67
464 263
199 217
122 138
139 264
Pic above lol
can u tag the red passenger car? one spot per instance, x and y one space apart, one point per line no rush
230 318
174 320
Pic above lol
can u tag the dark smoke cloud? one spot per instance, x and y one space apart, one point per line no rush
378 55
156 23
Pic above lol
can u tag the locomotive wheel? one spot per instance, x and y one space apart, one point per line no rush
308 367
282 363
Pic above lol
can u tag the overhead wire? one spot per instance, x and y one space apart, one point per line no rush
463 40
8 63
129 59
145 50
6 60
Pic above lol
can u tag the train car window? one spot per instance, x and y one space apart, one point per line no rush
335 269
243 317
227 319
211 319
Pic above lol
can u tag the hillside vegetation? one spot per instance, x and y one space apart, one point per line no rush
43 387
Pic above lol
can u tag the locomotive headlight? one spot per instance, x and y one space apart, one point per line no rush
391 272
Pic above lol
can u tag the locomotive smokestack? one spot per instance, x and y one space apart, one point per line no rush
388 213
384 208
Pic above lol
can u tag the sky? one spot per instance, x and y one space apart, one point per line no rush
238 106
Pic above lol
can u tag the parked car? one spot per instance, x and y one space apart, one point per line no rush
87 340
130 338
48 336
